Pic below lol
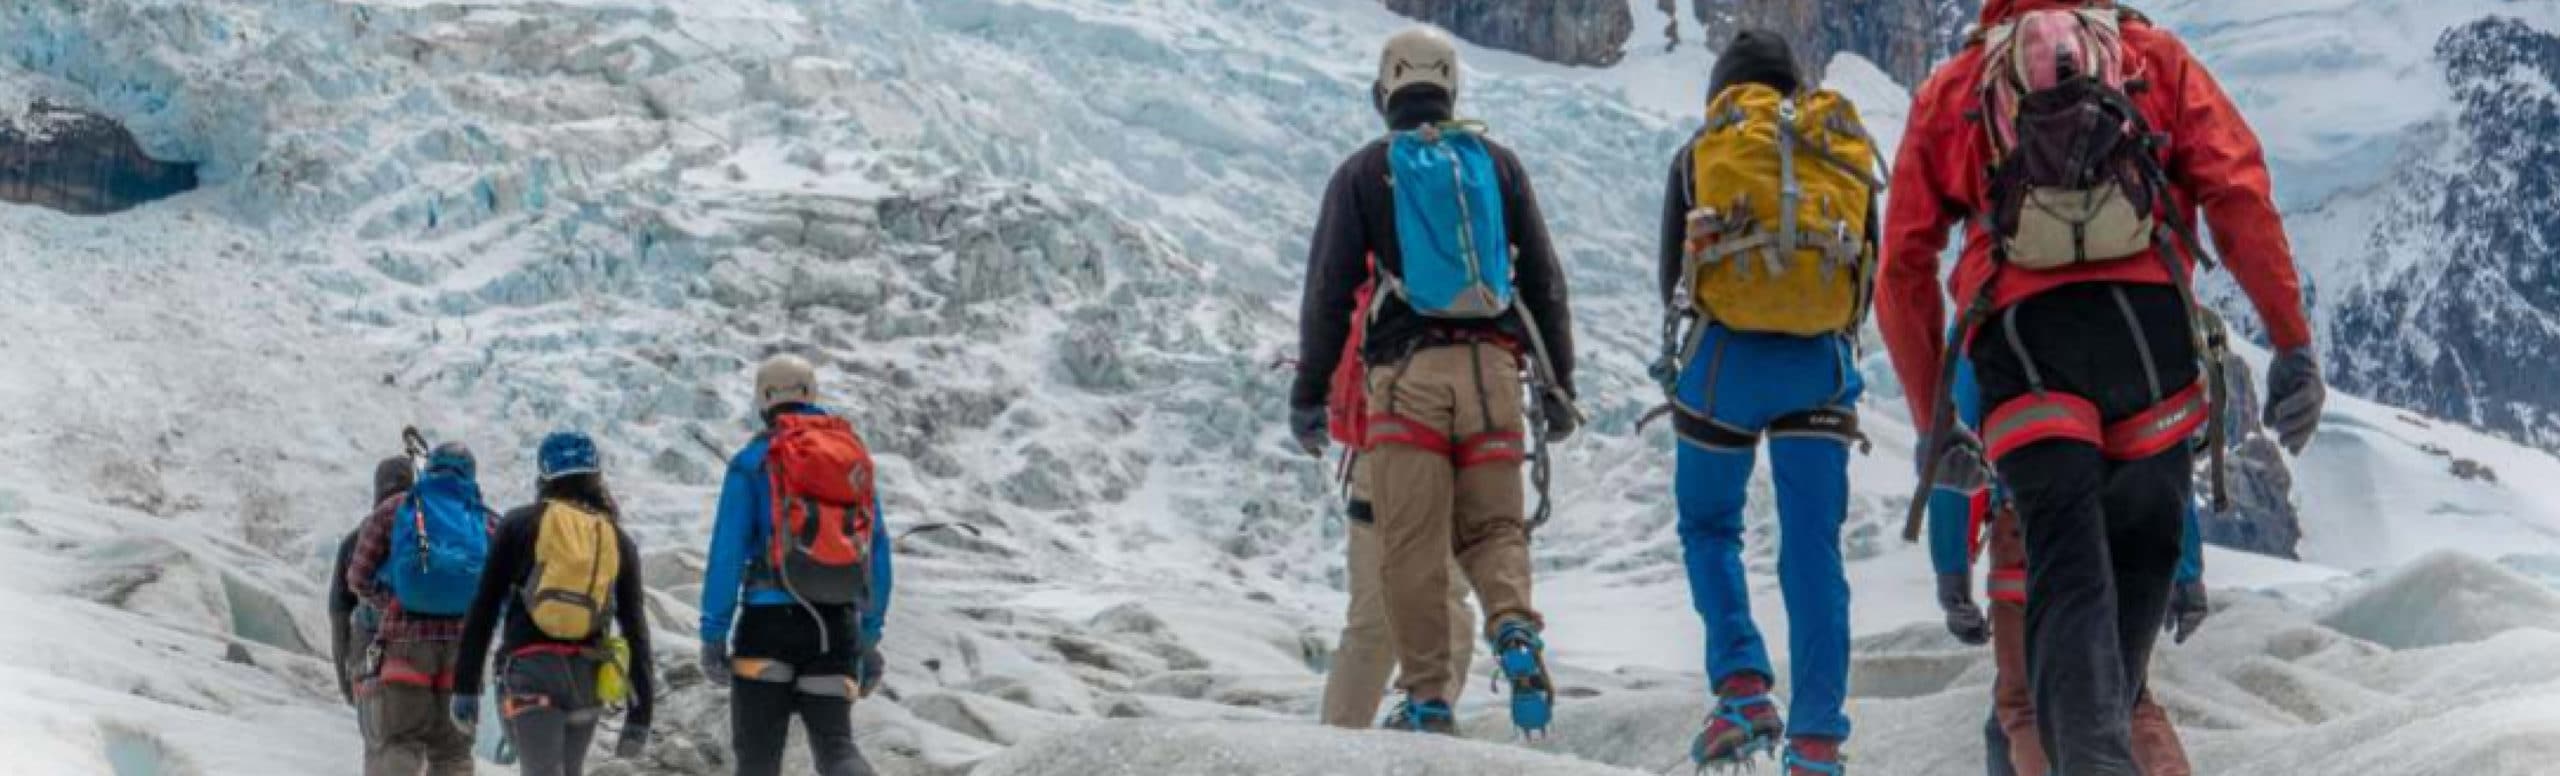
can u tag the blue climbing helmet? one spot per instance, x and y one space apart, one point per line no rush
566 452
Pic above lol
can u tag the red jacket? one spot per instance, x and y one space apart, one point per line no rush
1939 181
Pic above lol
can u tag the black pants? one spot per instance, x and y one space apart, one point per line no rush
551 712
2102 535
819 644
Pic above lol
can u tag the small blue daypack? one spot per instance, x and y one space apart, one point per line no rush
439 543
1449 223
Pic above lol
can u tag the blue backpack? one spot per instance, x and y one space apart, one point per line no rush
1449 223
439 543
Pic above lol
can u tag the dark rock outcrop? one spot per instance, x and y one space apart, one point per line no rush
2469 331
1904 37
1571 32
81 163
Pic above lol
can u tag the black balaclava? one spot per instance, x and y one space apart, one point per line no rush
1416 105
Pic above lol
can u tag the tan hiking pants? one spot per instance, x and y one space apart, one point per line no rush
1430 508
1357 684
2156 748
410 729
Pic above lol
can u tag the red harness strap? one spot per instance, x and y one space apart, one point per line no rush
400 671
2033 418
1478 450
2155 430
1387 429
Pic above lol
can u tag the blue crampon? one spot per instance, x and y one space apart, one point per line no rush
1533 697
1791 762
1421 717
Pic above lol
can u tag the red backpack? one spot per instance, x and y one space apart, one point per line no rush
1347 406
822 500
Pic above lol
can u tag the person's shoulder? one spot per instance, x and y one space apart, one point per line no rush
1954 81
2158 49
1369 161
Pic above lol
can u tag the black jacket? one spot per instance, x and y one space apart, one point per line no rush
510 569
1357 220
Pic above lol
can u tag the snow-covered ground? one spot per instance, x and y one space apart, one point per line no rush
1047 250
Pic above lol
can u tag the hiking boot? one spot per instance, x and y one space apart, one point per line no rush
1813 757
1524 667
1745 724
1421 717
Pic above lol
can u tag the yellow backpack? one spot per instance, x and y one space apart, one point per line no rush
575 562
1780 192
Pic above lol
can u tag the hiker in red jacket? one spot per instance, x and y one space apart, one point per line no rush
2077 142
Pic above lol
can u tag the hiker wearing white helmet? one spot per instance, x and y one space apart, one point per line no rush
1432 277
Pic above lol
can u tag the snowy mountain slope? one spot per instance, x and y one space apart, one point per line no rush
1047 248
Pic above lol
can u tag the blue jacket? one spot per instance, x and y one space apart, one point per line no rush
741 529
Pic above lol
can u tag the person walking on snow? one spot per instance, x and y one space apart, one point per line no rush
1357 682
559 569
808 608
1471 293
2077 142
1753 366
351 622
1957 521
416 549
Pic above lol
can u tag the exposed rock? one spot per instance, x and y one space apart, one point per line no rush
1904 37
1571 32
81 163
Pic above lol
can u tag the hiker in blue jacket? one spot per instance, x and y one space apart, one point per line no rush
789 656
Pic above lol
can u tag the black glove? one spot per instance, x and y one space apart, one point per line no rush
1960 465
635 739
1310 427
715 663
1964 619
2294 397
1559 415
2187 610
873 668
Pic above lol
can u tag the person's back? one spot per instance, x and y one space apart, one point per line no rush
1766 245
409 669
352 623
794 634
1467 301
566 579
2079 323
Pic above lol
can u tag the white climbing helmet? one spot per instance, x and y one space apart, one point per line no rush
785 379
1417 56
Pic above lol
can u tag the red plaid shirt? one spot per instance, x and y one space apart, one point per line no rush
373 546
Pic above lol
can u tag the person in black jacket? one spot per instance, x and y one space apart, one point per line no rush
351 625
548 686
1444 454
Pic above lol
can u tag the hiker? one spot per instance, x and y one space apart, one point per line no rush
1770 284
799 564
417 561
559 569
1357 682
1957 522
352 623
2077 142
1450 223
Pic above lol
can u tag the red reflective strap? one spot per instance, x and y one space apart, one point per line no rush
1977 522
564 650
1494 447
2009 585
2155 430
2032 418
1387 429
401 672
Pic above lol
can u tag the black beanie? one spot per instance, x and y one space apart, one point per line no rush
392 476
1756 57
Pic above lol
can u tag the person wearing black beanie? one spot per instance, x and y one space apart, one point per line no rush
1757 57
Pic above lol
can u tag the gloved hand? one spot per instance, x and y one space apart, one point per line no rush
715 663
466 711
2295 395
871 671
1308 426
1964 618
2187 610
1960 465
1559 414
635 739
